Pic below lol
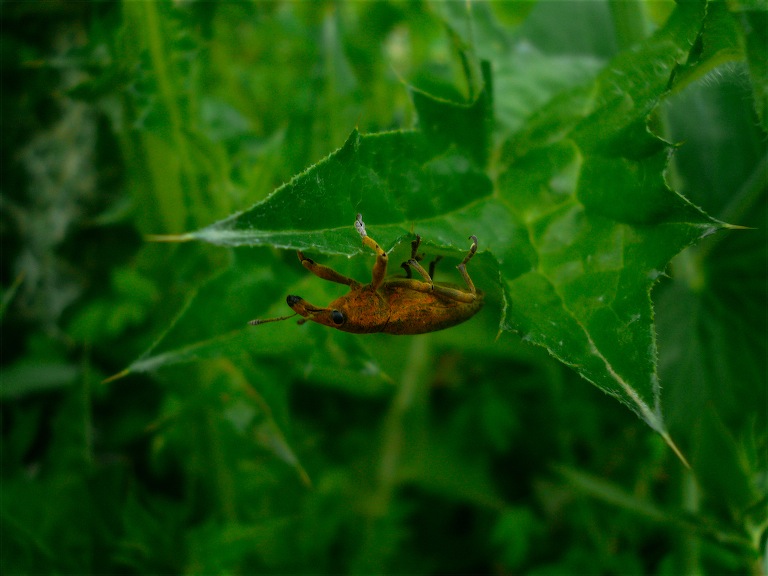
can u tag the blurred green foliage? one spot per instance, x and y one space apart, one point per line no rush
539 127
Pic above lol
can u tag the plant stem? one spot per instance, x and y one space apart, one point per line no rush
408 397
691 543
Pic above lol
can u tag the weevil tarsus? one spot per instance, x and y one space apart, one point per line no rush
472 250
360 225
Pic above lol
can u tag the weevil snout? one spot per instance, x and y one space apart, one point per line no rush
326 316
302 307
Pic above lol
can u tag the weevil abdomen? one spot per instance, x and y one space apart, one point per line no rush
412 312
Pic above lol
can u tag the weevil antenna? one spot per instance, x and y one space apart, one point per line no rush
257 321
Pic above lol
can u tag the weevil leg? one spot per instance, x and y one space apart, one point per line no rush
415 247
414 256
462 268
456 294
433 264
420 269
324 272
453 293
429 286
448 292
380 267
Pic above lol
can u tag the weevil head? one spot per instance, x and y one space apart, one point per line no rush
360 312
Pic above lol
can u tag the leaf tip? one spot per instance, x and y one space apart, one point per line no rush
671 443
169 237
737 227
121 374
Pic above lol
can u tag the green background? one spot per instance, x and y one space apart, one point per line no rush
161 162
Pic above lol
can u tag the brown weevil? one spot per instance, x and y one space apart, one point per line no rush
395 305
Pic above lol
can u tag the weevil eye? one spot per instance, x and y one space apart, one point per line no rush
337 317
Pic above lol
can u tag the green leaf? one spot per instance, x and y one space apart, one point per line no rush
602 223
752 18
581 219
718 43
247 286
465 126
711 322
390 177
527 79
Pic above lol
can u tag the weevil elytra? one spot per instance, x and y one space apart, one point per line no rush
396 305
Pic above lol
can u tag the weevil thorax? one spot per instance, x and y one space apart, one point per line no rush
360 311
363 309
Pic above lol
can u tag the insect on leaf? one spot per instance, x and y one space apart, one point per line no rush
580 217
